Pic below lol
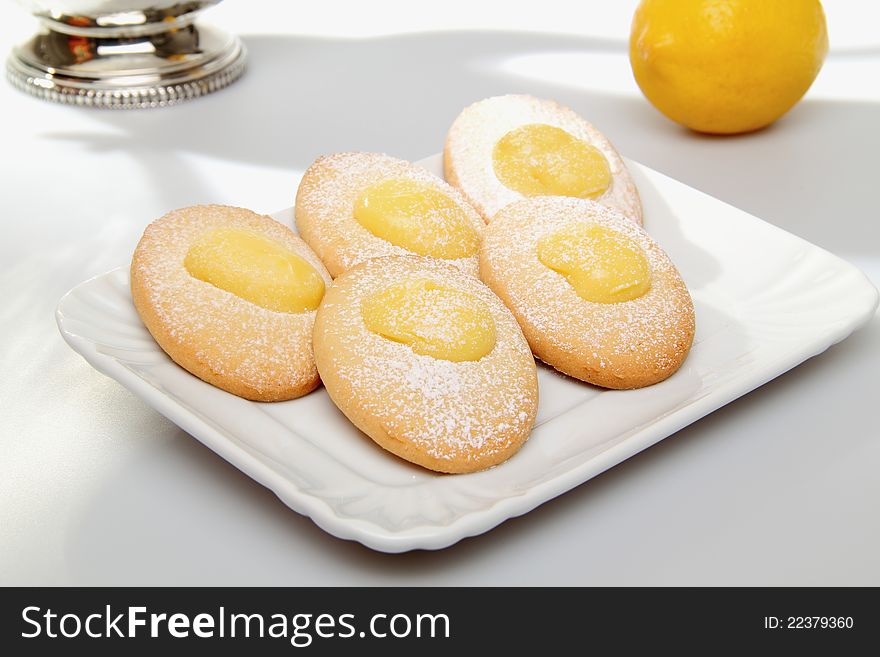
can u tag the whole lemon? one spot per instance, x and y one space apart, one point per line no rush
727 66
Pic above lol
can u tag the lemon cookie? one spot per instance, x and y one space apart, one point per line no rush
230 296
596 297
351 207
505 148
426 361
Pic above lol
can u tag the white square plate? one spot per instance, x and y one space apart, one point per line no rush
765 301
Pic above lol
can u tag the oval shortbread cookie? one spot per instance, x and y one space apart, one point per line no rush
231 296
506 148
351 207
426 361
596 297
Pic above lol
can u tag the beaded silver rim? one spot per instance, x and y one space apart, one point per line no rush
73 92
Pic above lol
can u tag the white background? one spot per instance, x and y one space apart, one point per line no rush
779 487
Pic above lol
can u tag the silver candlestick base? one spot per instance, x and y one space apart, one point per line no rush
123 54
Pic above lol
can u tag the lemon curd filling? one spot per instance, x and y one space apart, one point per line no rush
602 265
434 319
543 160
256 269
418 217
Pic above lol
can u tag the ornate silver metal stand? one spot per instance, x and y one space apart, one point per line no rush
123 54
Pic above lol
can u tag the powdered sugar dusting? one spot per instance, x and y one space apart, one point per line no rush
204 326
473 135
325 204
453 411
652 332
